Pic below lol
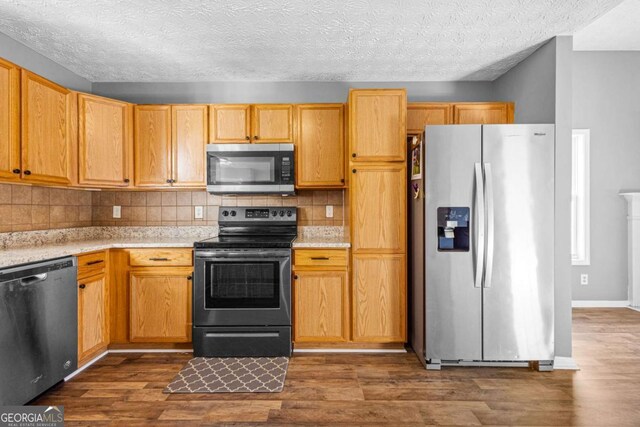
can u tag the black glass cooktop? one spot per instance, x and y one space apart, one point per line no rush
257 241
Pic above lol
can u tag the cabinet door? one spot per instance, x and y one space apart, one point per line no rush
420 114
377 123
486 113
46 143
321 308
152 143
272 123
160 305
9 121
229 123
378 208
379 298
320 145
93 327
105 149
189 141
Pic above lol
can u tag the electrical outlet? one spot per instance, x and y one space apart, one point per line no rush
584 279
329 211
198 212
117 212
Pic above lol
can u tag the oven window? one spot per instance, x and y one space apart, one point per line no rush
236 169
242 285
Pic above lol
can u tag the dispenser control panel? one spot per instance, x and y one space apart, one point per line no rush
453 229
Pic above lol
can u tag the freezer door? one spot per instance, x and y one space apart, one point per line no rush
518 279
453 302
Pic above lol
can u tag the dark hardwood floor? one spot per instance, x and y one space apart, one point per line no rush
373 389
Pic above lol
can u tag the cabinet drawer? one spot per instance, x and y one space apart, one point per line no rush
160 257
92 264
320 257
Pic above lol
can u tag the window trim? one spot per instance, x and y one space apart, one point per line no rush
582 256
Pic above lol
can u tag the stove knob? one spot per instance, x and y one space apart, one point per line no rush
289 213
274 213
233 213
225 213
281 213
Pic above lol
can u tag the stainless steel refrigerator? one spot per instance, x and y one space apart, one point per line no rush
483 245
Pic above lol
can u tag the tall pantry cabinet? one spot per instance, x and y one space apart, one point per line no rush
377 204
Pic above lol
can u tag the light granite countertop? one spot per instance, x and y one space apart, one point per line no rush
321 242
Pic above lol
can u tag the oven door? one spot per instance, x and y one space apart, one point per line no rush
242 287
250 169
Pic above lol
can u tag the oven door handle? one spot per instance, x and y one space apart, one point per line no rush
251 254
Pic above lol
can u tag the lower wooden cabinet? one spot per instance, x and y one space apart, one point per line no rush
93 326
379 298
160 304
321 306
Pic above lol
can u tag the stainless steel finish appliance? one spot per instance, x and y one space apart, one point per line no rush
250 169
38 328
488 219
242 284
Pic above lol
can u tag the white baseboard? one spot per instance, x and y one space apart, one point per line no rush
634 308
565 363
349 350
600 304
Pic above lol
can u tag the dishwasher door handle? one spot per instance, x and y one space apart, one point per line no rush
32 280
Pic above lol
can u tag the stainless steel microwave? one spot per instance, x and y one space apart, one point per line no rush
250 169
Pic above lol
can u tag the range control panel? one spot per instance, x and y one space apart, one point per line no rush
261 214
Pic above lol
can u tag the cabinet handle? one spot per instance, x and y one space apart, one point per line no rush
16 171
126 180
27 172
354 155
247 138
158 259
320 258
82 286
95 262
354 170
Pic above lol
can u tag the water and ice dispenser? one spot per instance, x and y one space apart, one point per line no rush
453 229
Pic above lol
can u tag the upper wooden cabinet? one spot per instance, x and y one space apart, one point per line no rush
170 143
320 145
189 142
244 123
272 123
9 121
377 124
483 113
46 131
105 142
230 123
378 208
420 114
152 142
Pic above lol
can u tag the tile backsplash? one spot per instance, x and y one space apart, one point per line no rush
25 207
167 208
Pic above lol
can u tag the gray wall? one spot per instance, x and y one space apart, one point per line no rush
284 92
28 58
541 88
606 99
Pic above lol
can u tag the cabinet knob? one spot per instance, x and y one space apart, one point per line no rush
354 170
168 181
342 180
354 155
27 172
189 277
126 180
255 137
82 286
16 171
247 138
295 277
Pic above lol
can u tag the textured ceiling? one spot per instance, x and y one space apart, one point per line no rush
618 29
296 40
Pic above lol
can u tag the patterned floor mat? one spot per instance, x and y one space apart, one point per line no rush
231 375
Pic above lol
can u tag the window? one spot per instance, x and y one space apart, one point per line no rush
580 252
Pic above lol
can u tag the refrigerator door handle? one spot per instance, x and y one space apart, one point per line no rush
488 176
480 218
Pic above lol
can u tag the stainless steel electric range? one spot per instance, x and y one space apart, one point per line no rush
242 284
